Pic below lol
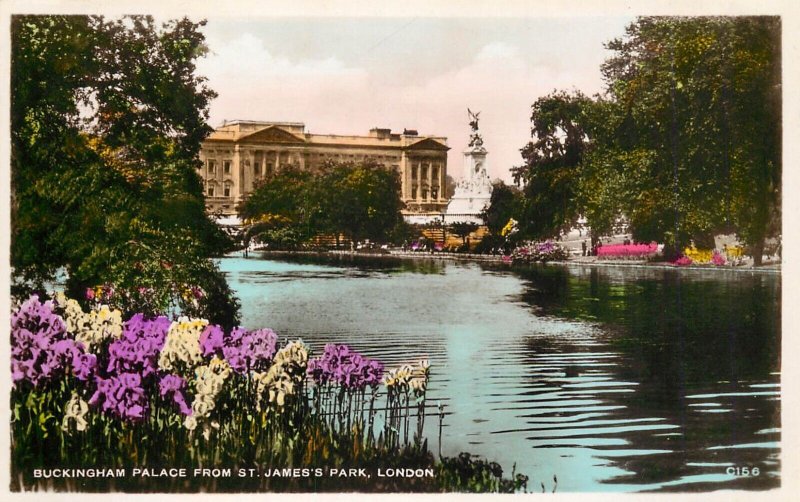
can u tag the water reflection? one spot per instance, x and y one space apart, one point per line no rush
702 352
615 380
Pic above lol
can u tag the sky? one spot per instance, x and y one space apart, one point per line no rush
347 75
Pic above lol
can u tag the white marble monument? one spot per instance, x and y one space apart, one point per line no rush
474 189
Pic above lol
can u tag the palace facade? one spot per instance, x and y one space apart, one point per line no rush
239 153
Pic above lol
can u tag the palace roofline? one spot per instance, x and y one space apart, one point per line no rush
232 131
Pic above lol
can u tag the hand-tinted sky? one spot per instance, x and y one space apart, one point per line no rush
347 75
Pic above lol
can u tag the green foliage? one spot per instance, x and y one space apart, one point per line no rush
466 473
364 200
702 98
503 205
283 209
284 193
686 144
107 118
361 201
402 232
552 164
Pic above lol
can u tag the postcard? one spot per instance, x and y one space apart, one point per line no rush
436 250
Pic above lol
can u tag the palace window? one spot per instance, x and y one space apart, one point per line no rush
210 191
257 168
413 193
424 172
424 194
227 190
226 166
434 193
212 166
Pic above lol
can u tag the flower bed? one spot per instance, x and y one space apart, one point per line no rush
627 251
90 389
537 252
698 255
733 256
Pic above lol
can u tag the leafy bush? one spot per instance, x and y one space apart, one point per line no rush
466 473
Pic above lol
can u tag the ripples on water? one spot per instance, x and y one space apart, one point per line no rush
613 380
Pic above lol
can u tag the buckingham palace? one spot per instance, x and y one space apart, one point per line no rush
239 153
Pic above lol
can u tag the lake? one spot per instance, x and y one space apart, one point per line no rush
611 378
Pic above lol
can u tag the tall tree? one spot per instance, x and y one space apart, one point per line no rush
107 117
552 164
703 95
686 144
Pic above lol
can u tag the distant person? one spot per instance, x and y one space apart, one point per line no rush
583 248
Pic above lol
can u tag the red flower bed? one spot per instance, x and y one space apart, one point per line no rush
627 250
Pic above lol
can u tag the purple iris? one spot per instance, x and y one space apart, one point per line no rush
173 386
138 348
40 348
211 340
250 350
341 365
122 396
84 366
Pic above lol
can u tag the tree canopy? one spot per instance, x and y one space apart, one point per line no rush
504 205
360 201
552 164
107 117
685 144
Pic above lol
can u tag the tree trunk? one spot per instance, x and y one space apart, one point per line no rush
758 251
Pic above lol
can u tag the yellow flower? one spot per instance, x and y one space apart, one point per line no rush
202 405
190 422
510 227
408 377
209 381
181 350
698 255
93 328
287 372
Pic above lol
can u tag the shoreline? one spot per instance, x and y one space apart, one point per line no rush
580 262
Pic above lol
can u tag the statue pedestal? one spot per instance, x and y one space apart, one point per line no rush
474 190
